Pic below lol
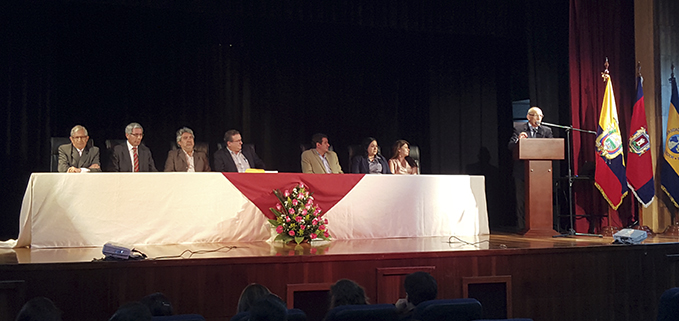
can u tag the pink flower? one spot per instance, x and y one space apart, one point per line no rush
304 212
309 202
313 250
306 194
318 210
301 227
308 207
291 211
314 222
313 236
322 227
278 206
325 221
291 233
326 234
279 229
295 202
301 185
286 193
287 218
299 219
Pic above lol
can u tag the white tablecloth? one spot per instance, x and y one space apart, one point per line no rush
81 210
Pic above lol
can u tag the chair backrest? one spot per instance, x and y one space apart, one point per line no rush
55 142
180 317
448 310
668 309
241 316
198 146
415 154
372 312
293 315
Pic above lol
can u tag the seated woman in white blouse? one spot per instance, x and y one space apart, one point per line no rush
401 162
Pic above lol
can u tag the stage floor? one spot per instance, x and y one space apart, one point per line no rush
543 278
503 242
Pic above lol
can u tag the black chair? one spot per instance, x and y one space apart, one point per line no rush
180 317
55 142
512 319
415 155
293 315
668 309
198 146
449 310
368 312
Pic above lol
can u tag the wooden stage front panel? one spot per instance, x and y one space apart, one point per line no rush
580 278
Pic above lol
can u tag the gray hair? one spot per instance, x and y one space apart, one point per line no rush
182 131
77 128
131 126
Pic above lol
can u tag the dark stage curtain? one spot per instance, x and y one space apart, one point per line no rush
441 75
599 29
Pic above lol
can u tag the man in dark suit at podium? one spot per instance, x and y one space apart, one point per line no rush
531 129
132 156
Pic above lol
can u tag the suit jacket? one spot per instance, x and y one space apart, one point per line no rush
176 161
121 161
360 165
68 156
311 163
543 132
224 161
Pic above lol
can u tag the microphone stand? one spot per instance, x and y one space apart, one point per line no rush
571 179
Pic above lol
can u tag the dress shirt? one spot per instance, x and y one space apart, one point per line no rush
189 161
129 148
375 165
325 161
83 169
240 160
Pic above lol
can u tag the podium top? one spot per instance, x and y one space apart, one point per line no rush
539 149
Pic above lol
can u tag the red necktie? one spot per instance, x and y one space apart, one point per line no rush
136 159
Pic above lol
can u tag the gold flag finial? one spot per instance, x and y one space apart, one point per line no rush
605 74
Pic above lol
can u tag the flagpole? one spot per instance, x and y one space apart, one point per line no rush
607 230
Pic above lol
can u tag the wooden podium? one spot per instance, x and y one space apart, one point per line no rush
538 154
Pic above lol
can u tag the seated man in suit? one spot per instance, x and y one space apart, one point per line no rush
185 159
531 129
236 158
132 156
420 286
320 160
77 157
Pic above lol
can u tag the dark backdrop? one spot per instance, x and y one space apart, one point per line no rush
440 75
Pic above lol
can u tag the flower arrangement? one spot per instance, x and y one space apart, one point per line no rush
297 217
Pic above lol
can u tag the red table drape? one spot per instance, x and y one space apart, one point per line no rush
328 189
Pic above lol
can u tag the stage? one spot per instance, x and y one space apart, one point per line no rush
543 278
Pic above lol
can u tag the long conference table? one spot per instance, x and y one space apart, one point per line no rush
88 210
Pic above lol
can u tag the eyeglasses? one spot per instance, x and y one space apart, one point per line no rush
137 135
535 115
80 137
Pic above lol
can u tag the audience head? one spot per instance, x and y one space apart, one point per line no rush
79 136
346 292
250 294
39 309
420 286
370 146
158 304
534 116
185 139
133 311
320 142
233 140
269 308
401 149
134 133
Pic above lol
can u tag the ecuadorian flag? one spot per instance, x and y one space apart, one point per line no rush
670 167
609 176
